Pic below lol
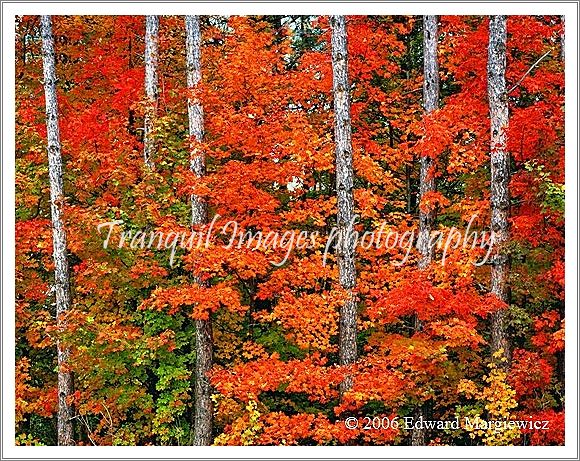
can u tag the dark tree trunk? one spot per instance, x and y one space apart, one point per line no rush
61 271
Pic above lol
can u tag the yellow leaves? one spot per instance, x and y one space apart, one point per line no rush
226 333
27 440
468 388
226 409
498 400
244 430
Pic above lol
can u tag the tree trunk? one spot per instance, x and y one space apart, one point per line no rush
61 272
426 177
151 84
345 198
562 37
430 103
500 174
203 336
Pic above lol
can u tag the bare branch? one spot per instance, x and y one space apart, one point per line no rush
86 424
529 70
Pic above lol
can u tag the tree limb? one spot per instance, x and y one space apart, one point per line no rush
529 70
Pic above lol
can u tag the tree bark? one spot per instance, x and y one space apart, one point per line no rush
562 37
500 175
345 198
151 86
426 177
430 103
61 271
203 328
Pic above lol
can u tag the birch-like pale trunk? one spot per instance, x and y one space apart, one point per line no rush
151 86
500 175
203 330
345 250
430 103
65 412
426 177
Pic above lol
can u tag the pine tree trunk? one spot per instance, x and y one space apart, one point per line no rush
500 175
61 271
345 198
430 103
151 86
203 337
426 178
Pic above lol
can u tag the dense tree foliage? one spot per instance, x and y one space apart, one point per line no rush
423 332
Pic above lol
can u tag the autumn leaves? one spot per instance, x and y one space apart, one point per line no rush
218 345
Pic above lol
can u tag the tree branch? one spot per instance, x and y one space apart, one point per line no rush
529 70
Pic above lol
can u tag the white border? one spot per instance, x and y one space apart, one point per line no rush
203 8
314 8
